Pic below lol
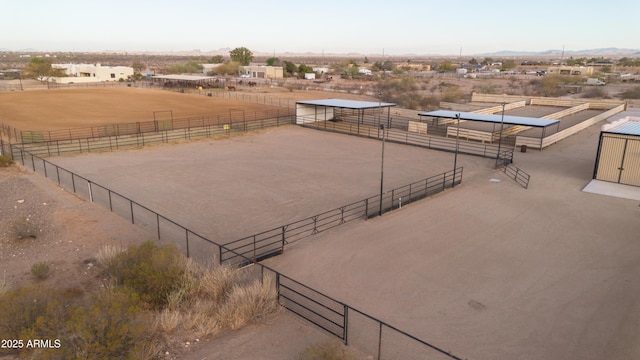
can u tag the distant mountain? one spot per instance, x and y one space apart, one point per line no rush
556 52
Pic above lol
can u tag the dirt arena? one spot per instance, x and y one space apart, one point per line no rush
60 109
487 270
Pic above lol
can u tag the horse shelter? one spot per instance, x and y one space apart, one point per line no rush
317 111
618 157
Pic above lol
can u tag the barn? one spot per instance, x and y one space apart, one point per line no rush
618 157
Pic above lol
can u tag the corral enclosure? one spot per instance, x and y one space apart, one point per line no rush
58 109
228 189
487 270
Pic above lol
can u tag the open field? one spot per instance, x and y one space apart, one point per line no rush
487 270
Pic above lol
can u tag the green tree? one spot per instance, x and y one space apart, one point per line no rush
216 59
273 61
304 69
241 55
138 66
40 69
445 66
228 68
473 61
290 68
188 68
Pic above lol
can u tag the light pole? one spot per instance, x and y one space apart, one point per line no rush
500 138
455 157
382 169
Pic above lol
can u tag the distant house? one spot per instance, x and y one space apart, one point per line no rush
570 70
364 71
264 72
77 73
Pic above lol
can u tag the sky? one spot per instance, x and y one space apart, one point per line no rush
399 27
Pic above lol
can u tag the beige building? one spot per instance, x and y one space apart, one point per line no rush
92 73
570 70
618 158
264 72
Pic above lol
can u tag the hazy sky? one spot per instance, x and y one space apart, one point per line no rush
330 26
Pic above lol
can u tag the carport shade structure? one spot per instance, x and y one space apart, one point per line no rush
495 119
323 110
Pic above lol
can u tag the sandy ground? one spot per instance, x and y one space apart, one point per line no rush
493 271
488 270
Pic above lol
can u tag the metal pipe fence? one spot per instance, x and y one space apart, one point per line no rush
227 121
353 327
398 133
272 242
517 174
140 139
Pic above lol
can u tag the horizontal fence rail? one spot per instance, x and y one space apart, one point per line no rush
517 174
397 131
140 139
351 326
231 121
272 242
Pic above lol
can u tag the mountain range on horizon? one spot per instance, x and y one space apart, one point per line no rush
611 51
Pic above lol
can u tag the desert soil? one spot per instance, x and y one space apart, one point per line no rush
546 272
41 222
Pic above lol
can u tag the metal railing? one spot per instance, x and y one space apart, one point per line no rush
368 126
273 241
352 326
517 174
139 139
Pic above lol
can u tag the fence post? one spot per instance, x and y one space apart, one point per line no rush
158 223
187 238
379 340
366 209
346 325
131 206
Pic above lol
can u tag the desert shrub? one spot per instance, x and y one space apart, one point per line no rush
110 325
24 227
4 284
40 270
153 272
633 93
487 88
452 94
326 350
595 92
248 303
5 161
26 309
215 284
108 252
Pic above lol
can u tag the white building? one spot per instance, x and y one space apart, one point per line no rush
364 71
92 73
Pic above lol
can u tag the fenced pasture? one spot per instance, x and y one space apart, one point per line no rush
297 297
238 182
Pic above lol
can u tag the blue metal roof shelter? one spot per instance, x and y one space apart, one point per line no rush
492 118
495 119
308 111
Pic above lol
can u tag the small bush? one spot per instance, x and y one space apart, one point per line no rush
24 227
111 325
5 161
153 272
595 92
249 303
40 270
108 252
327 350
633 93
